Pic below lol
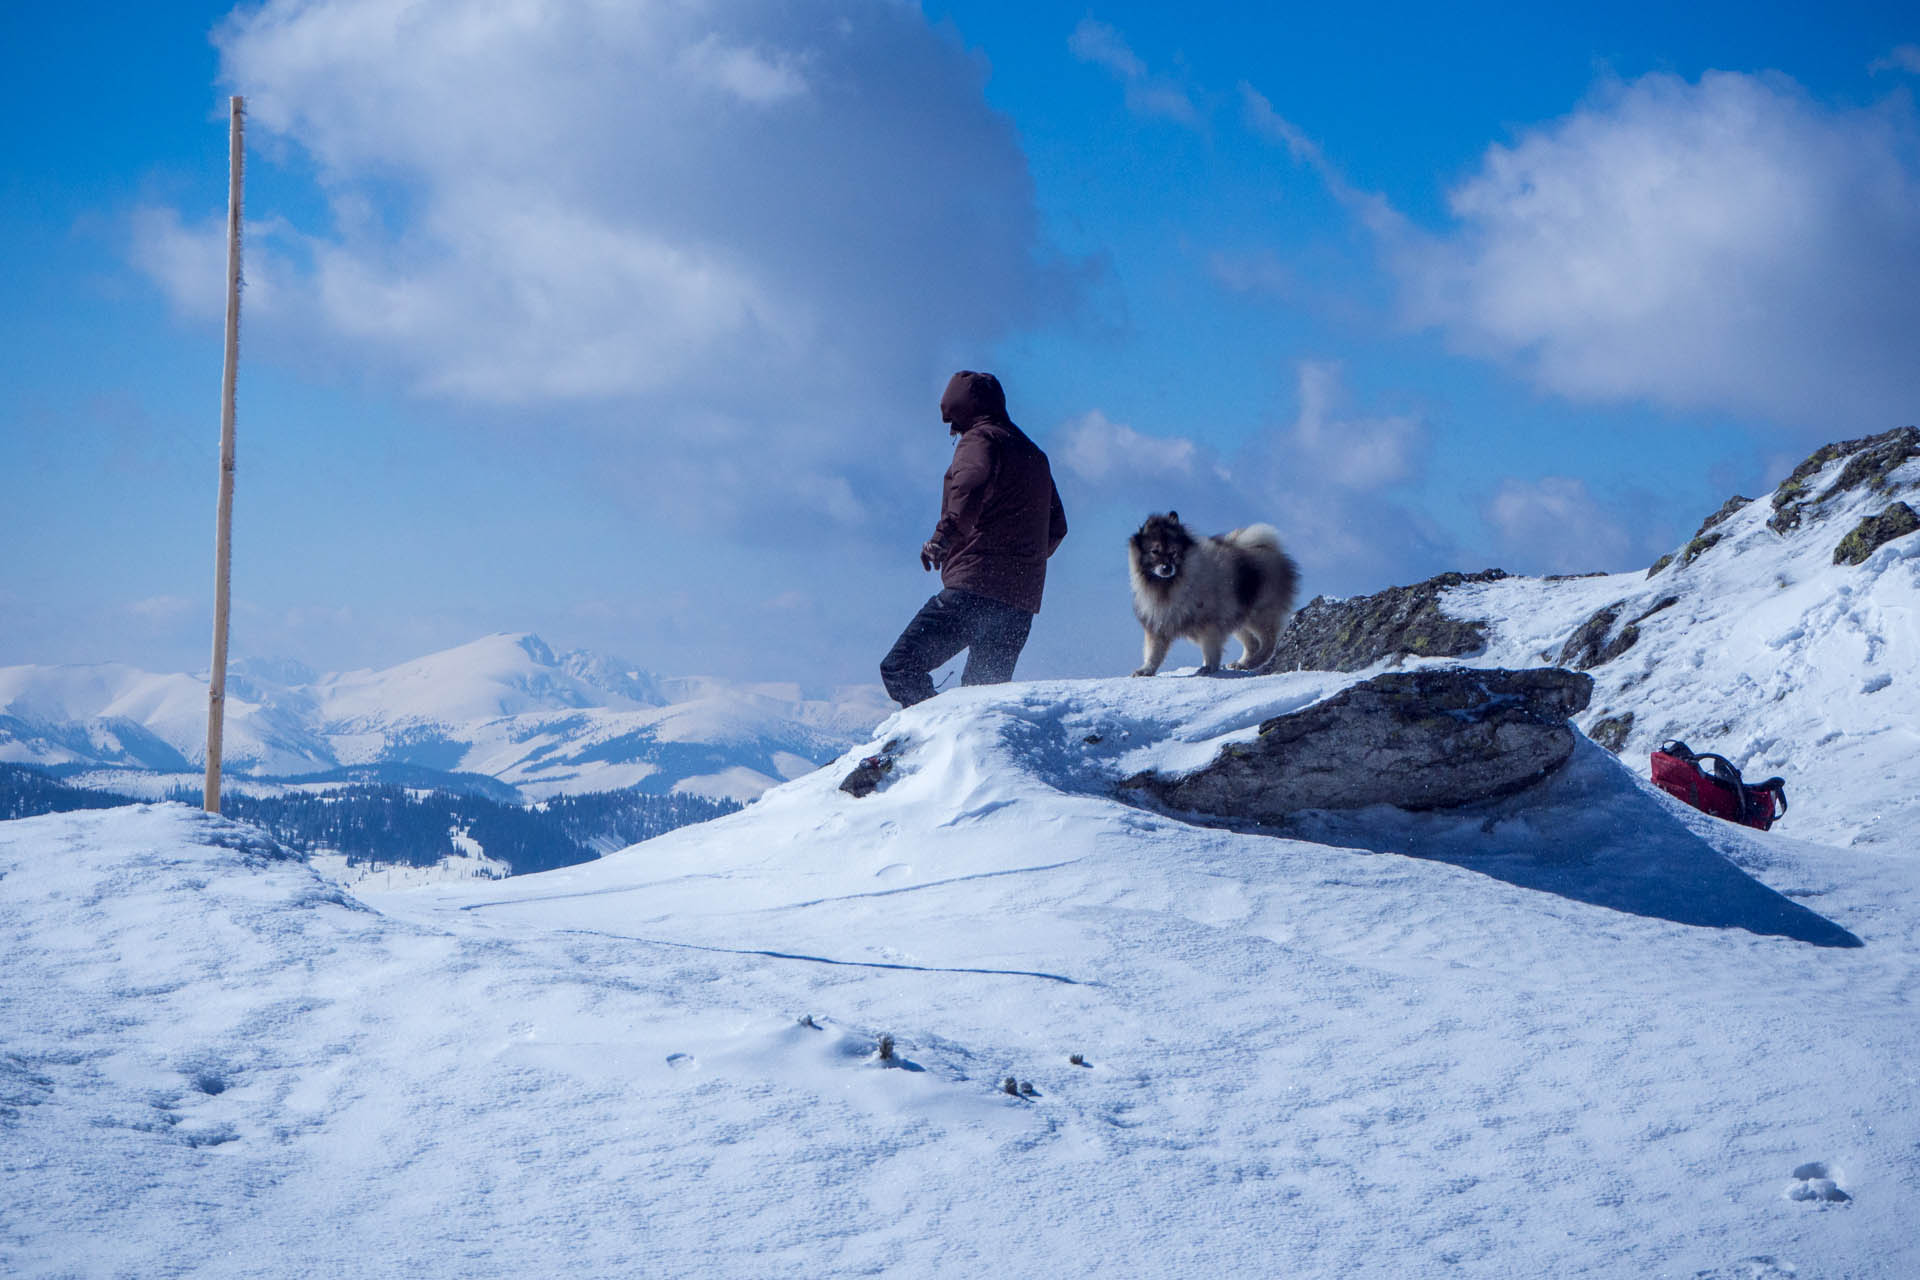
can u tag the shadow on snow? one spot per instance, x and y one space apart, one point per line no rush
1593 833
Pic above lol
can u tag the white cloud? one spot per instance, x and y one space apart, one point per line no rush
1146 94
734 245
746 73
1905 57
189 263
1324 480
1729 246
1556 525
1104 452
1353 453
1371 209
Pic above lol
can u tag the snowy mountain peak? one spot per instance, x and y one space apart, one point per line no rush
504 674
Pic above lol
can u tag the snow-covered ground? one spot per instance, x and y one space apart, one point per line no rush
1583 1031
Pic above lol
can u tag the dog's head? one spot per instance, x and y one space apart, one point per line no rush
1160 548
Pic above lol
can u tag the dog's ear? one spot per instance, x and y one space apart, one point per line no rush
1174 516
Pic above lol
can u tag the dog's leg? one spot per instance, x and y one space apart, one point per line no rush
1156 653
1212 644
1249 645
1260 647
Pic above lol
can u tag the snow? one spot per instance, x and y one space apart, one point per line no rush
1771 655
1582 1031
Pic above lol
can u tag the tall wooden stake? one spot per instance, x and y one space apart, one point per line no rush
223 539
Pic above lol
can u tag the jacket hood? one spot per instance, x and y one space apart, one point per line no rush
971 397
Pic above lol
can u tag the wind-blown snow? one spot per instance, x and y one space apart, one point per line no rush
1579 1031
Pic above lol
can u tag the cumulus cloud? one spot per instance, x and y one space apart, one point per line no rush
1104 452
743 239
1730 245
1146 94
1556 525
189 261
1357 453
1325 480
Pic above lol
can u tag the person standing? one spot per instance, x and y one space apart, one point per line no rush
1000 519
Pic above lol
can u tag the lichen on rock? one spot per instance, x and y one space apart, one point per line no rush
1353 634
1874 532
1870 461
1701 544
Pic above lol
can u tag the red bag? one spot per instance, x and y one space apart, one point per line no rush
1680 773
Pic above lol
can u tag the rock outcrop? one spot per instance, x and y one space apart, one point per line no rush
1874 532
1428 739
1871 460
870 773
1400 622
1596 641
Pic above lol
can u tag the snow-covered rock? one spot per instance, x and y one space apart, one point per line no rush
1436 738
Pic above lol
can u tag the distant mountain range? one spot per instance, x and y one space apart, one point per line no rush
503 715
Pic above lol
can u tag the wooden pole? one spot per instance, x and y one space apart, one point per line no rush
223 538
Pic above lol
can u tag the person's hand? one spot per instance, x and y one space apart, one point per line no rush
932 555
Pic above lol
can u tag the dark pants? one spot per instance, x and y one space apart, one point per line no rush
992 633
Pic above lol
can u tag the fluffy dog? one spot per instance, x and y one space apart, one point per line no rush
1207 589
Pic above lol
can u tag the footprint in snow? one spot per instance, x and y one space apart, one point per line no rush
682 1061
1816 1182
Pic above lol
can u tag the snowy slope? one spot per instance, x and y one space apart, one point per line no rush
1761 649
505 705
1584 1032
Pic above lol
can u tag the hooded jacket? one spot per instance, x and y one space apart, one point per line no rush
1000 514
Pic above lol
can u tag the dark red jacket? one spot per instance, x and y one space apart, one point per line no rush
1000 514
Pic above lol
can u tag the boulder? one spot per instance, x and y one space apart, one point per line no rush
870 773
1611 731
1874 532
1428 739
1353 634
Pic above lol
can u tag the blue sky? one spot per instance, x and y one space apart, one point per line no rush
626 324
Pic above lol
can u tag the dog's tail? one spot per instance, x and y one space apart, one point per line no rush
1255 537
